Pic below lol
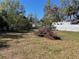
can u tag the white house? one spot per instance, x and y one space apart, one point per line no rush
66 26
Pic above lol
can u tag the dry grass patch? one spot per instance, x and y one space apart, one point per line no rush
34 47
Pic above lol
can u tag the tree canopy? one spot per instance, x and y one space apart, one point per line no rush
13 13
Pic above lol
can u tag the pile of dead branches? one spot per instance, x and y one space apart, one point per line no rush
48 33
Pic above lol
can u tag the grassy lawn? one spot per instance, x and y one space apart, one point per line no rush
29 46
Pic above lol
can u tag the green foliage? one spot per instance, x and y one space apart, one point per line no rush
13 13
51 14
69 7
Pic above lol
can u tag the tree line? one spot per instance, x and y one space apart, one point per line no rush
60 12
12 16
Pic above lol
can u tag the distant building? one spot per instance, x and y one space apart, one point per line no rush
66 26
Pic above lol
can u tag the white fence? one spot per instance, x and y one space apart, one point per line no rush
66 26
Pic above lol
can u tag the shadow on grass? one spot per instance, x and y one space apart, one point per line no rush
3 44
6 36
13 34
21 31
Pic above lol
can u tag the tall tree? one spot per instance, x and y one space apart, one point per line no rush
15 12
70 7
51 13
